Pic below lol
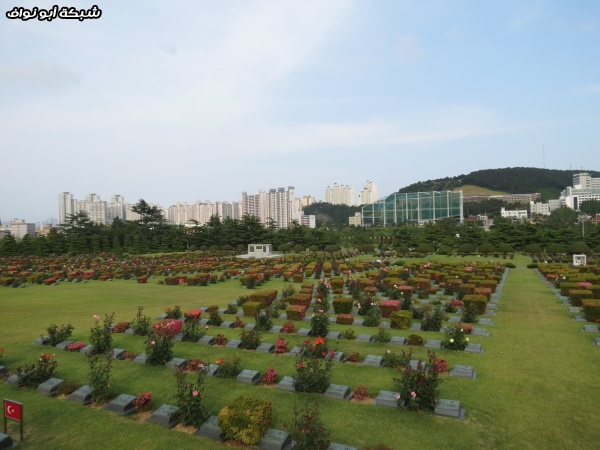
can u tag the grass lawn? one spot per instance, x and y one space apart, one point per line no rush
535 385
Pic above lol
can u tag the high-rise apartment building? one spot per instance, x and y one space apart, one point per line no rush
19 228
66 207
94 207
277 205
340 195
368 194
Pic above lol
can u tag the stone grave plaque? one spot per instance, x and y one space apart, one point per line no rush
303 332
206 340
489 313
40 341
176 363
203 308
339 357
50 386
398 340
222 310
597 342
250 327
334 335
265 347
210 429
13 379
276 329
129 332
433 343
336 446
82 395
122 405
3 370
331 319
480 332
449 408
282 316
226 324
6 441
462 371
484 321
161 317
373 360
573 310
414 363
492 305
387 398
166 415
212 370
140 359
358 322
248 376
339 392
63 345
240 313
306 319
415 327
566 304
118 353
86 350
234 343
590 328
203 322
286 384
331 311
454 319
384 325
580 319
473 348
275 440
178 337
295 351
364 338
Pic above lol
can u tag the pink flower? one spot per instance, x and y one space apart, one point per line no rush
398 396
413 394
206 326
387 351
152 342
96 317
195 393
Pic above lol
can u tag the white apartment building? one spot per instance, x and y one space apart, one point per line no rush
66 207
518 214
584 188
308 220
539 208
356 220
277 205
339 195
368 195
94 207
182 213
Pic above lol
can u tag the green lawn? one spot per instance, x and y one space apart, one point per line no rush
535 385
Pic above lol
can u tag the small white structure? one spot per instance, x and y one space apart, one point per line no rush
579 260
260 250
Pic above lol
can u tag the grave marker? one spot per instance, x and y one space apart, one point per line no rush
206 340
212 370
166 415
387 398
50 386
118 353
339 392
339 357
122 405
398 340
433 343
295 351
82 395
63 345
140 359
590 329
226 324
373 360
265 347
210 429
275 440
473 348
463 371
176 363
250 327
334 335
286 384
249 377
234 343
276 329
449 408
303 332
364 338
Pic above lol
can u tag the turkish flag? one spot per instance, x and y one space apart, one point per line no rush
13 410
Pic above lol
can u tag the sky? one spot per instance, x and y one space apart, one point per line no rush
182 101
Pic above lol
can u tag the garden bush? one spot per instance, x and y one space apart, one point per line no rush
478 301
401 320
245 419
342 305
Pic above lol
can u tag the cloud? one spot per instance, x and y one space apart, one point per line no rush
527 15
44 75
590 90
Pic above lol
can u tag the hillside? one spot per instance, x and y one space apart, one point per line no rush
511 180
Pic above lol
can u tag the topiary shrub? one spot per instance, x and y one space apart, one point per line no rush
576 296
591 310
401 320
246 419
479 302
414 340
295 312
343 305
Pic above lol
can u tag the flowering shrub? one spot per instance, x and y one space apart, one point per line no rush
58 334
281 346
192 330
193 314
295 312
238 323
250 339
270 377
121 327
188 397
101 335
75 346
361 392
100 379
2 352
383 336
142 401
220 339
194 365
344 319
228 367
141 323
168 327
441 365
307 430
319 324
456 338
316 349
433 322
129 355
34 374
159 346
288 327
313 374
391 359
173 313
419 388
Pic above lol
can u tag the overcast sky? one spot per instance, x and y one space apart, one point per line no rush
178 101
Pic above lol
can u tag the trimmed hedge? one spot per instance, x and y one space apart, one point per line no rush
264 296
478 301
251 308
577 295
295 312
591 310
388 307
344 319
343 305
401 320
300 299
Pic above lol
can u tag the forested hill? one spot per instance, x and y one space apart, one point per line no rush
512 180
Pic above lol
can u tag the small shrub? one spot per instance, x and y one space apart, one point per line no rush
401 320
343 305
192 331
238 323
58 334
382 336
281 346
391 359
264 320
433 322
34 374
215 319
361 392
349 334
159 346
469 314
121 327
231 309
306 429
141 323
414 340
288 327
173 313
353 357
100 377
220 339
419 389
229 367
270 376
344 319
67 388
101 335
143 401
245 419
319 324
295 312
188 397
250 339
75 346
373 318
456 338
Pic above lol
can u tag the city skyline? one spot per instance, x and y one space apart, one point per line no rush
154 103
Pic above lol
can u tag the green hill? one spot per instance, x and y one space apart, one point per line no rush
512 180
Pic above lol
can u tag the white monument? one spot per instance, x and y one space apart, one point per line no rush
579 260
260 250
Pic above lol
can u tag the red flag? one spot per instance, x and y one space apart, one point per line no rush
13 410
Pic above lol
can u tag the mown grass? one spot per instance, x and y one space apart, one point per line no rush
535 385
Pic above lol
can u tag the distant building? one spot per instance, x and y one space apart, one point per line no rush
308 220
277 206
356 220
19 228
339 195
368 194
66 207
539 208
584 188
519 214
416 207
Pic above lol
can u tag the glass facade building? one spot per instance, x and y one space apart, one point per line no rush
418 207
